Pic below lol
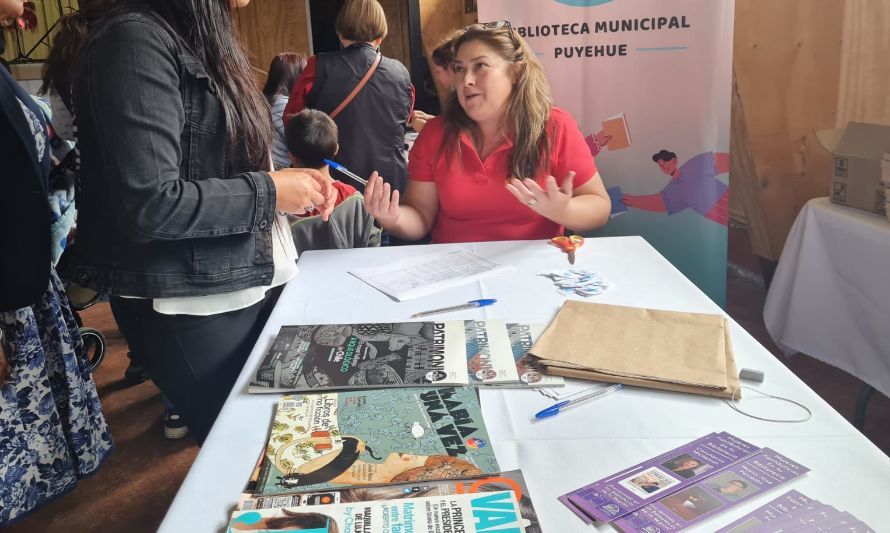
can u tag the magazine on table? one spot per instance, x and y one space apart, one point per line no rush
713 494
375 437
522 337
511 480
356 356
489 353
483 512
633 488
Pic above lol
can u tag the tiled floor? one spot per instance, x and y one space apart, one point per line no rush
134 488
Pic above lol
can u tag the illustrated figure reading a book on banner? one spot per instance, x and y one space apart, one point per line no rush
615 135
694 185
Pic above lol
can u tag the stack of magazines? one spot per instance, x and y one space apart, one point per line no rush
499 499
406 354
684 486
375 460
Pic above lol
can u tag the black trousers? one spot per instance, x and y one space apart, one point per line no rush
194 360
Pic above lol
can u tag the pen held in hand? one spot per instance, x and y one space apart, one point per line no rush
555 409
345 171
469 305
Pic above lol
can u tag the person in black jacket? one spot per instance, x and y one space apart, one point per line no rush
178 215
372 126
52 431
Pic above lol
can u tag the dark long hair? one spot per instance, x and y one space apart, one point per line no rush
64 54
301 519
206 27
284 70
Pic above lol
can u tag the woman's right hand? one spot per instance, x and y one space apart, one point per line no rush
300 190
381 201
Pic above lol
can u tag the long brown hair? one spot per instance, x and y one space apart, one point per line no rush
64 54
206 27
284 70
527 111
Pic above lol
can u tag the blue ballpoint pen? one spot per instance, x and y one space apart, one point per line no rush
555 409
337 166
469 305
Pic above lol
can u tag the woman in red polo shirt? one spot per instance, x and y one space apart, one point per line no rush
484 170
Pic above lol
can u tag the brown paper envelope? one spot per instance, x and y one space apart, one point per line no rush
732 376
682 348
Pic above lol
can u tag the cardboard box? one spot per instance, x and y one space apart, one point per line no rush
856 175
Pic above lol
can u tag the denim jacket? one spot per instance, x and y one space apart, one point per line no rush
160 215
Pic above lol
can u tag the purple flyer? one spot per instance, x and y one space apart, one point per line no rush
774 510
713 494
822 518
633 488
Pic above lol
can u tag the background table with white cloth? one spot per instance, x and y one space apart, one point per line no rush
830 297
574 448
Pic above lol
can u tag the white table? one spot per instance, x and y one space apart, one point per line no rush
830 297
576 447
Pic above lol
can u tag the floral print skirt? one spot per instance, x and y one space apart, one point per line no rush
52 431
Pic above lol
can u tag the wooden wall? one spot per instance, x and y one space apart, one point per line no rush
269 27
787 63
396 45
865 69
47 14
437 19
801 67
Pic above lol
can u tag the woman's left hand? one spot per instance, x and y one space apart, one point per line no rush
550 202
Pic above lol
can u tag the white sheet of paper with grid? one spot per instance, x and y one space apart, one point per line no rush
427 274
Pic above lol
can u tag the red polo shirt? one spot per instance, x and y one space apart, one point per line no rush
474 204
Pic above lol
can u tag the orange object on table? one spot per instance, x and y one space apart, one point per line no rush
568 245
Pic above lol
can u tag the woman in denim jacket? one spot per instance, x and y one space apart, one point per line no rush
178 216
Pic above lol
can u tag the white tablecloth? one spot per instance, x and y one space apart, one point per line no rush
830 297
578 446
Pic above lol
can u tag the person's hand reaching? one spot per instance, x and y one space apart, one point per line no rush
601 139
419 120
381 201
300 190
551 201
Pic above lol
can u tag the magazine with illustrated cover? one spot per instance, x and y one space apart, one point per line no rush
531 374
481 512
375 437
511 480
713 494
356 356
631 489
489 354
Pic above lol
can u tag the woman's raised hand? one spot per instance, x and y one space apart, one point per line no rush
381 201
300 190
550 202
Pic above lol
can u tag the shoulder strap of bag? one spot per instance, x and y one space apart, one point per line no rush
358 87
